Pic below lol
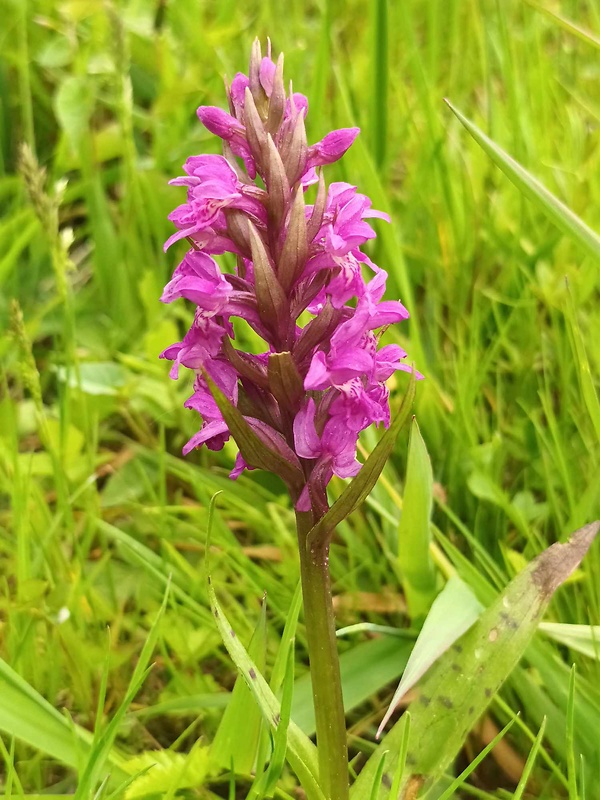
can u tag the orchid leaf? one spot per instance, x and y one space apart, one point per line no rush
414 533
467 677
301 752
357 491
562 216
228 748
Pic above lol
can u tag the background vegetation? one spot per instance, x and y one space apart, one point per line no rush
98 508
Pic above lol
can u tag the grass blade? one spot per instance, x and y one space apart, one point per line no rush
458 782
228 748
566 24
530 762
562 216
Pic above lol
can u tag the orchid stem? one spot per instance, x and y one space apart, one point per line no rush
324 663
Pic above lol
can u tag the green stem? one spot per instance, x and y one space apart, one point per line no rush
324 663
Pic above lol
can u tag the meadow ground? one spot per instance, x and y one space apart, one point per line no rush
98 507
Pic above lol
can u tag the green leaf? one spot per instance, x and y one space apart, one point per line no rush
26 715
458 689
583 638
566 24
414 534
301 752
101 378
530 762
104 739
162 770
229 749
568 222
358 489
74 103
453 612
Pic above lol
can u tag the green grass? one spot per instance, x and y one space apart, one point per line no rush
97 507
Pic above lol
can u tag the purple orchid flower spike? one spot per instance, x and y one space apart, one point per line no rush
306 288
292 258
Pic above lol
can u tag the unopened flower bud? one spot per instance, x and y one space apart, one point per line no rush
332 147
256 88
318 330
219 122
237 230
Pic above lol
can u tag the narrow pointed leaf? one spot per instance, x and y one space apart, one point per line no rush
414 533
458 689
530 762
566 24
301 753
229 749
357 491
568 222
583 638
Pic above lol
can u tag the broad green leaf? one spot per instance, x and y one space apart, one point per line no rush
229 749
100 378
358 489
583 638
414 534
458 689
301 752
562 216
453 612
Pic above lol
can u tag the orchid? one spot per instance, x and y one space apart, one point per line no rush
292 258
304 285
